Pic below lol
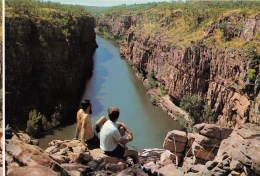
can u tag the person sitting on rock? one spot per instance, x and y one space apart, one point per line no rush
123 128
84 125
111 139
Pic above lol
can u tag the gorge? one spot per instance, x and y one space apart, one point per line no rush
206 56
181 52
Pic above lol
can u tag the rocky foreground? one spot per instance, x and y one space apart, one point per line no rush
209 150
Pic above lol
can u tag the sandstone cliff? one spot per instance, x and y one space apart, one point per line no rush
219 61
214 150
47 64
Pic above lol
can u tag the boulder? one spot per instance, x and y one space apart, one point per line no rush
60 158
202 140
238 154
52 149
243 146
76 168
203 152
168 157
177 135
174 146
171 170
31 171
212 131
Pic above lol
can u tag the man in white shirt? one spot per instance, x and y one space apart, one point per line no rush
111 140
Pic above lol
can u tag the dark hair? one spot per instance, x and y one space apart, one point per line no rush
85 104
113 113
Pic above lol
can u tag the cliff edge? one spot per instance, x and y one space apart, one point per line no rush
49 50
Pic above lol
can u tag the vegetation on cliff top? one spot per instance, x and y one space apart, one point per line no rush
53 12
184 23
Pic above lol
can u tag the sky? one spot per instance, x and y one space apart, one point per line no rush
104 2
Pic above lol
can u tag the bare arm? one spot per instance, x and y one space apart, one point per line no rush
83 129
130 134
120 124
123 140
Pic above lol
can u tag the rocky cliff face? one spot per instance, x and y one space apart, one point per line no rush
117 25
217 74
46 65
214 150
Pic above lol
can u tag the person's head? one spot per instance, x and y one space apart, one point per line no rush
113 113
86 105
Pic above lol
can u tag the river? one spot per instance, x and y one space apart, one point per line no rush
114 84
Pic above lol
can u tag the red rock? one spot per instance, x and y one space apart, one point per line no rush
225 132
202 140
75 173
168 157
243 145
199 127
60 158
170 170
31 155
203 152
174 146
211 130
177 135
31 171
52 149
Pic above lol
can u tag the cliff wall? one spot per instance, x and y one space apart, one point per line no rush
219 73
46 65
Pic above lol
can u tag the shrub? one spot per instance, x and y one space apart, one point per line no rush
56 118
186 126
162 90
196 107
151 81
223 26
208 114
38 123
239 28
34 124
251 73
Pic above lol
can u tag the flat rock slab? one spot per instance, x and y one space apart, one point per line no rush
31 171
177 136
170 170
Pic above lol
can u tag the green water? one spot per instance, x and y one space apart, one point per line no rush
114 84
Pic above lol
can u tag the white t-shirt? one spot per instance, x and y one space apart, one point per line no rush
109 136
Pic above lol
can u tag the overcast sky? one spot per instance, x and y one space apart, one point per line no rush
104 2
